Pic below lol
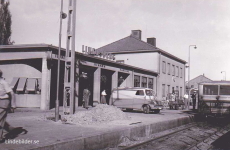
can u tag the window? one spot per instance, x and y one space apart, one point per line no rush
177 71
224 90
136 81
168 91
120 61
163 90
210 89
144 82
140 92
173 70
168 68
150 83
181 72
163 67
180 91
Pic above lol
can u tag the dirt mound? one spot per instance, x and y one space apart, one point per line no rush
100 114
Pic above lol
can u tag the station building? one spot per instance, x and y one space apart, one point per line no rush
133 51
31 71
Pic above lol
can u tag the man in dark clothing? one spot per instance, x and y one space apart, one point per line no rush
194 100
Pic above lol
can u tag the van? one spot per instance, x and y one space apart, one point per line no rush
136 98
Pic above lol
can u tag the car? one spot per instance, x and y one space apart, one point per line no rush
136 99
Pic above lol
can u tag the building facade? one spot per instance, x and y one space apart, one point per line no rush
133 51
31 71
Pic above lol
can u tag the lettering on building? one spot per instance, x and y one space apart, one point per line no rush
99 65
124 70
93 52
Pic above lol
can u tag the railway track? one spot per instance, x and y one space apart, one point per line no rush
190 137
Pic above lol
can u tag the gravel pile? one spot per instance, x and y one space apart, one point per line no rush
100 114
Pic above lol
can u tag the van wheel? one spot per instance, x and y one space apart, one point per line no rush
129 109
156 111
146 109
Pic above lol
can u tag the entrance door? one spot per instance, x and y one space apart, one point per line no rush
86 81
106 83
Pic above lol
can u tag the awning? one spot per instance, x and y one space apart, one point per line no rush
31 85
14 82
21 85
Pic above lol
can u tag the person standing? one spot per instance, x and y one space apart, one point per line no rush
86 96
7 102
194 100
186 102
103 99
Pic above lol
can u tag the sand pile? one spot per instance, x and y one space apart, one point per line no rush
100 114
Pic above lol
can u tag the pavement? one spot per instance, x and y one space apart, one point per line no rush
44 134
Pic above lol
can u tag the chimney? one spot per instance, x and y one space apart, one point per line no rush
136 34
151 41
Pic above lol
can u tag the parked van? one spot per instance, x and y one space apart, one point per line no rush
136 98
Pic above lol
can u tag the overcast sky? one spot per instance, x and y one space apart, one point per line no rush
175 24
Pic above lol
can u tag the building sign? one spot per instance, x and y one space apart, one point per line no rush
124 70
92 51
99 65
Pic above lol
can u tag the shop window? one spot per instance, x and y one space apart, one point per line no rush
173 70
26 85
163 67
168 68
21 86
144 82
163 90
150 83
140 92
136 81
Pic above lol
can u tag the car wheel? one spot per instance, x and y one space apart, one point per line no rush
146 109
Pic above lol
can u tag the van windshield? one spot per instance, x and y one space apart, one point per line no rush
149 92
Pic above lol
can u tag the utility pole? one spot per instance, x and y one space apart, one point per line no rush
62 16
70 67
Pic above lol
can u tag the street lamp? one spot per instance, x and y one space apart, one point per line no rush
224 75
62 16
189 68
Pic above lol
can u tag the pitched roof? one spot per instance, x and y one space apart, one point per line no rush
200 76
131 44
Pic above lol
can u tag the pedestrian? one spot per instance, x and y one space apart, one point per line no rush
7 102
103 99
86 96
194 100
186 102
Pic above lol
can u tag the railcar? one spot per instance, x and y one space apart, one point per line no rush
214 98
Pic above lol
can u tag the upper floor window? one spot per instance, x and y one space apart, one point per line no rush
181 72
177 71
173 70
168 68
163 67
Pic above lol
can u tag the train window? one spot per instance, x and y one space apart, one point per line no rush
210 90
224 90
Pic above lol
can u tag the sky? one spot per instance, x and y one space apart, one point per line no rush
176 24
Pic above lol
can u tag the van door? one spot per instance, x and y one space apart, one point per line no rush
124 98
139 99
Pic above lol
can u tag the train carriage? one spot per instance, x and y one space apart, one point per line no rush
214 98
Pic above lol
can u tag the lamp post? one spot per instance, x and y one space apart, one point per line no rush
189 68
62 16
224 75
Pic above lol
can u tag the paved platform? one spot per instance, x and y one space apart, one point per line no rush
47 134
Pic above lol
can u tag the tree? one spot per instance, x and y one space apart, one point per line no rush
5 24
